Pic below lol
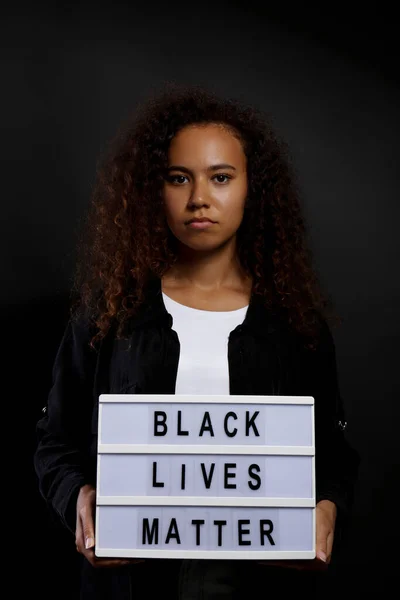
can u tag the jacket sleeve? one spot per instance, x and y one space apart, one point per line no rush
336 461
61 457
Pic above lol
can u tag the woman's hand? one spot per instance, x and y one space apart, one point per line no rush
84 534
325 524
325 519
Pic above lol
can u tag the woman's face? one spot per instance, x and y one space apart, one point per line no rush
205 187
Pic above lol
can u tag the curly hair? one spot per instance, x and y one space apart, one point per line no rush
125 239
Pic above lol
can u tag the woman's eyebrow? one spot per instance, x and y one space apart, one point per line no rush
211 168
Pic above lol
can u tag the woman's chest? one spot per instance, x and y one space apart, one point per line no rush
152 361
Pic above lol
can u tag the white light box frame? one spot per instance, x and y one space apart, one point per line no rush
215 477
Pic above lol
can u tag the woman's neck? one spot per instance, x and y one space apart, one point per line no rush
207 270
208 280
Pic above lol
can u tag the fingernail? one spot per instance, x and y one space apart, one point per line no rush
322 556
89 542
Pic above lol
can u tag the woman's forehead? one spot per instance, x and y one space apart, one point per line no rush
211 143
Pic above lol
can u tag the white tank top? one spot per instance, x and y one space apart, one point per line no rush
203 337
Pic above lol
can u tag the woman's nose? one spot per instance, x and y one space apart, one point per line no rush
199 196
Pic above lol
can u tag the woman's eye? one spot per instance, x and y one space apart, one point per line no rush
179 179
176 179
223 176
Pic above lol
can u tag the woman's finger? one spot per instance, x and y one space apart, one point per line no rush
79 534
329 546
87 525
321 546
109 562
325 528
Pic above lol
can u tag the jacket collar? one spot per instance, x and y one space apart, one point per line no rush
260 320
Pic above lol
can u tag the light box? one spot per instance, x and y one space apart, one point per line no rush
206 477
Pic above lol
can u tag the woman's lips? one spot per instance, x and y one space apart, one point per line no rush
200 224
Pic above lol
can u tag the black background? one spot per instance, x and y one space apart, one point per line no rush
330 78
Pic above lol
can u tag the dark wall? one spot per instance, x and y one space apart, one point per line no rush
331 82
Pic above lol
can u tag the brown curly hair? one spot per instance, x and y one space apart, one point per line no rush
125 239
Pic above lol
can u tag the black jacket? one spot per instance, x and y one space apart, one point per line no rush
265 357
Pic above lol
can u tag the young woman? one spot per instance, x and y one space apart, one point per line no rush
194 278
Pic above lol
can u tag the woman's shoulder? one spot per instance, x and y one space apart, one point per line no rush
313 334
82 328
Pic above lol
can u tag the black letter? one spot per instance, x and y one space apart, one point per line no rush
207 427
241 531
219 525
183 474
173 526
254 486
180 432
155 482
162 422
264 533
229 486
197 522
230 433
146 532
208 480
250 423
